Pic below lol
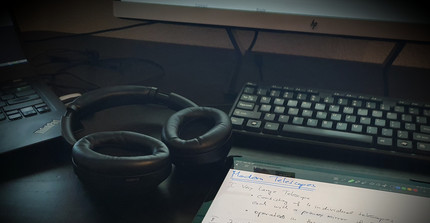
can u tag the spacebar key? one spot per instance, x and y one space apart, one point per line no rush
327 135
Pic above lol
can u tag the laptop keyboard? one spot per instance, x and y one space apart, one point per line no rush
20 100
333 119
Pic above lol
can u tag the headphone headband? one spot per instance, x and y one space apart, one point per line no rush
114 96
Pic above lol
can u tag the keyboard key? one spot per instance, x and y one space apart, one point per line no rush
372 130
279 110
406 144
334 108
28 111
380 122
14 116
399 109
328 134
348 110
387 132
237 122
247 97
22 105
298 120
406 118
260 91
327 124
247 114
249 90
395 124
288 95
410 126
423 146
356 128
321 115
275 93
320 106
365 120
384 107
362 112
312 122
342 101
12 112
306 105
421 137
301 96
293 111
335 117
377 114
329 100
315 98
425 129
265 100
42 109
341 126
279 101
253 125
245 105
402 134
414 111
371 105
356 103
421 120
307 113
283 118
351 118
292 103
271 127
265 108
269 117
384 141
22 99
392 116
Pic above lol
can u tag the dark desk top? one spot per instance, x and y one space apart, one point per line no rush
42 187
39 185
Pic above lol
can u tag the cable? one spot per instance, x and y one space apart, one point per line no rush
254 40
62 62
258 59
91 33
387 64
233 80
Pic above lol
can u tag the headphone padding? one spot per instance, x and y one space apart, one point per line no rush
86 158
209 147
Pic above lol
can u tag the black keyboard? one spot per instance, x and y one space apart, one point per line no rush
19 100
333 119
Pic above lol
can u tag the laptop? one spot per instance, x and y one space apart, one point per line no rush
30 112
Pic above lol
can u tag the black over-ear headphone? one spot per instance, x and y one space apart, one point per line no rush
192 137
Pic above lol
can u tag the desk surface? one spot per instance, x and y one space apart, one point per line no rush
43 187
39 185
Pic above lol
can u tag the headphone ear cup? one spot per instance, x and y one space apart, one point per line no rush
197 136
121 160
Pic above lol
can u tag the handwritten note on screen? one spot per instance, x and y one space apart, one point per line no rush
247 197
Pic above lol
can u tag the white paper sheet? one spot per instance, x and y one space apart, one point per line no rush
247 197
